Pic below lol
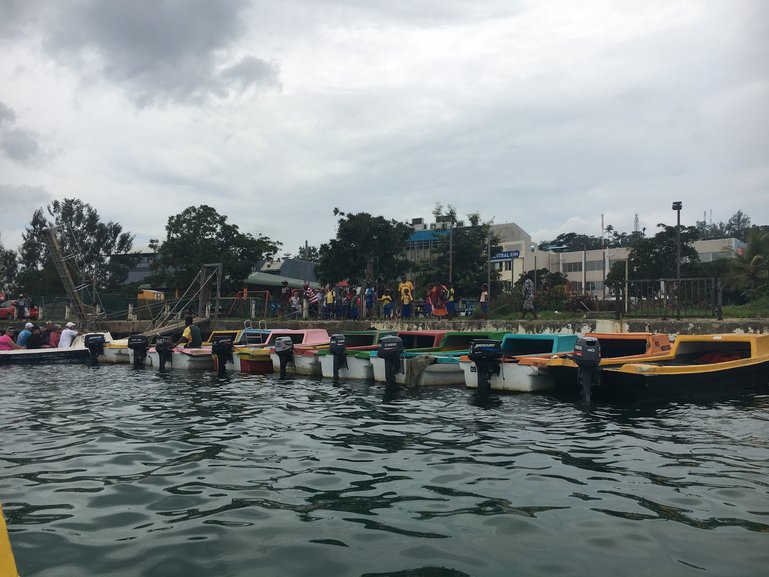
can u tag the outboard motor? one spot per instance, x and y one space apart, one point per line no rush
164 346
485 353
390 349
222 346
284 348
94 342
139 344
336 346
587 355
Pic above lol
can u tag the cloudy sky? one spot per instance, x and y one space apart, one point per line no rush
546 113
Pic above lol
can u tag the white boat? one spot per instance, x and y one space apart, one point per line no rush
305 341
360 366
438 365
422 370
76 353
523 366
117 352
183 359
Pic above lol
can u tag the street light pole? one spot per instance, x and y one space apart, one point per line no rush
677 206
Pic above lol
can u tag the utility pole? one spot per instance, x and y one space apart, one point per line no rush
677 206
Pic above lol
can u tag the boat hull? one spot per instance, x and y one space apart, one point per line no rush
117 352
512 378
185 360
303 364
639 381
358 367
44 356
416 371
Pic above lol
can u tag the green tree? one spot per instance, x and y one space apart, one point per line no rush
365 247
655 257
749 271
200 235
309 253
571 241
8 269
81 234
465 250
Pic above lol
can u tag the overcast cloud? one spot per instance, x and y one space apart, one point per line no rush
546 113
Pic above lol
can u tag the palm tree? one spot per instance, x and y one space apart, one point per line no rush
750 270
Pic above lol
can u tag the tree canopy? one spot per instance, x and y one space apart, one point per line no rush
465 251
200 235
81 232
365 247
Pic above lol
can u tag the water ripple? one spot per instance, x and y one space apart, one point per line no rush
115 471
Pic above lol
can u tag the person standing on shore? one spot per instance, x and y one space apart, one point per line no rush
484 301
406 294
528 298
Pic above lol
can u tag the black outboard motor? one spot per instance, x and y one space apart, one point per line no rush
390 349
94 342
485 353
164 346
222 346
139 344
587 355
284 348
336 346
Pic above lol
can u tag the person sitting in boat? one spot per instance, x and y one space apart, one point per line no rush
54 336
67 335
45 335
191 338
23 337
35 340
6 341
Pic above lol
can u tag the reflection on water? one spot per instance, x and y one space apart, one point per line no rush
115 471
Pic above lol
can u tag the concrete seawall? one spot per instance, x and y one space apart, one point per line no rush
671 327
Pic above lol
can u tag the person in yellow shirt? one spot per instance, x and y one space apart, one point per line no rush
387 304
406 293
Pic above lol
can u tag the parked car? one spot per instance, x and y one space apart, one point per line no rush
8 311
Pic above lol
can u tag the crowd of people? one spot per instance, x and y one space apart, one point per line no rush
33 336
372 300
377 300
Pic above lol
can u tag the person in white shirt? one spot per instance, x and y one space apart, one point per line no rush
67 335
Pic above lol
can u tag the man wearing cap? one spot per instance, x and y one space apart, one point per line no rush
6 340
67 335
24 335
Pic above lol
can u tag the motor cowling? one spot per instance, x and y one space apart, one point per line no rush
222 346
337 344
390 350
486 354
390 347
337 348
94 342
139 344
587 356
284 348
164 346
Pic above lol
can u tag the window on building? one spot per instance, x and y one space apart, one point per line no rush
594 285
575 286
594 265
572 267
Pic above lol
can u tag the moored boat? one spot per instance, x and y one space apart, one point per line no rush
522 362
434 365
697 364
78 352
616 349
302 339
356 344
360 365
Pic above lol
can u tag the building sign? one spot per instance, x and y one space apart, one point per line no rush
507 255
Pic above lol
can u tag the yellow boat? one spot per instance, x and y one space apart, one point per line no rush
7 563
698 363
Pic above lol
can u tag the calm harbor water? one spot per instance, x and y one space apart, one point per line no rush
114 471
